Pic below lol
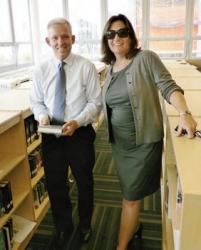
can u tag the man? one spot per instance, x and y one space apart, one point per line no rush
80 107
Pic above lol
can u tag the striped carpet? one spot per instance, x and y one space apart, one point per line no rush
107 210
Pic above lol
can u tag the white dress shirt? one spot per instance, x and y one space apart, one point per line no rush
83 93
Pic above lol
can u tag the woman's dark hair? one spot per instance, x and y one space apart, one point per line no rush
108 56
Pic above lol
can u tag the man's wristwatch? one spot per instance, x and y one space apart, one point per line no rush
185 112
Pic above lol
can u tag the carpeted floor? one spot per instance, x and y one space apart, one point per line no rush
107 210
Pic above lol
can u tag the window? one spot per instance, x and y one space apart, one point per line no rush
6 56
196 30
167 27
21 22
5 26
48 9
55 9
167 18
15 41
168 49
22 32
172 28
196 48
6 53
132 9
86 25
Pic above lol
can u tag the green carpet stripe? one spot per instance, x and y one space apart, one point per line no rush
104 164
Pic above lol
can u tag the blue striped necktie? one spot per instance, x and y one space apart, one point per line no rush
60 95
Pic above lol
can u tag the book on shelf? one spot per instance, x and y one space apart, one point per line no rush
7 200
2 207
9 225
31 129
2 240
39 192
7 238
35 161
37 154
50 129
32 165
36 197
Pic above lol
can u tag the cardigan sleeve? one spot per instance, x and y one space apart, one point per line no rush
162 77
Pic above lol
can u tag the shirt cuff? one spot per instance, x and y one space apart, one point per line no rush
43 117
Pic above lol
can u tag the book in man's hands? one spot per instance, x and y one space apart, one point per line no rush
50 129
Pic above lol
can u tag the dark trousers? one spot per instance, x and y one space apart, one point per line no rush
76 151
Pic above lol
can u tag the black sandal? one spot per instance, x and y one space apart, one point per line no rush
136 237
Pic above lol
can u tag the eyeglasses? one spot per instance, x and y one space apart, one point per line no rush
184 132
122 33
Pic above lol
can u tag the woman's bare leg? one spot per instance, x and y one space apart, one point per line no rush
129 222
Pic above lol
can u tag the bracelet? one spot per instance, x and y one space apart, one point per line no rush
185 112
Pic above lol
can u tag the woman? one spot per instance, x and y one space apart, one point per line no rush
134 117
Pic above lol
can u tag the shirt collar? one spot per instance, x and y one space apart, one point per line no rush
68 60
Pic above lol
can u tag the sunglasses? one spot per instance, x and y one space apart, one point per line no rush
184 132
122 33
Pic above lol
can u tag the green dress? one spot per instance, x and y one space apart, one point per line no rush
138 166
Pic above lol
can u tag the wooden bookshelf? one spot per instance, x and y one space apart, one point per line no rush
33 145
181 197
184 179
14 166
36 179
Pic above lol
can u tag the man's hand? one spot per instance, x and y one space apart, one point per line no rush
69 128
44 121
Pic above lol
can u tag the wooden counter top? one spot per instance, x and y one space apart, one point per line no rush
8 119
189 83
193 99
15 100
187 156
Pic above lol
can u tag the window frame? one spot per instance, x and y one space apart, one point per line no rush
145 38
15 45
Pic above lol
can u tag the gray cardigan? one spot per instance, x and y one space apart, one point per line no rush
144 77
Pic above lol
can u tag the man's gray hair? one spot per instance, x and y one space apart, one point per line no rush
59 20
